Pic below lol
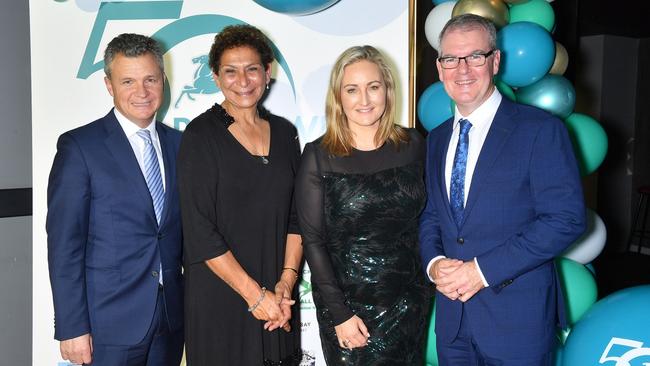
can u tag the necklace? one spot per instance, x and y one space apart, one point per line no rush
263 156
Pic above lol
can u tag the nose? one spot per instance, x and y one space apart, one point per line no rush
364 97
141 89
462 65
242 78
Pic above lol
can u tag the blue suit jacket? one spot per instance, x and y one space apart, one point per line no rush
104 244
525 206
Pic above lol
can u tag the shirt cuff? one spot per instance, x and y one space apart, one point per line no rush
431 262
480 273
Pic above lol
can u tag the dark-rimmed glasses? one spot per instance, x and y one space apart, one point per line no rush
475 59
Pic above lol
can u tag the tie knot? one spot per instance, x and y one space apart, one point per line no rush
465 125
145 135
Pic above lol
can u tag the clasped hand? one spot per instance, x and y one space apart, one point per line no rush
456 279
275 308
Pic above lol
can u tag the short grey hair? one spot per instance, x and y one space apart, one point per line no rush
132 45
468 22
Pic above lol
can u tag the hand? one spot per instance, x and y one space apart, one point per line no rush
77 350
267 309
352 333
443 267
462 284
283 299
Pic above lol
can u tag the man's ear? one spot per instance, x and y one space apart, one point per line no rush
109 86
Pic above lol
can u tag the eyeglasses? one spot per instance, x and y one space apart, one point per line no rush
475 59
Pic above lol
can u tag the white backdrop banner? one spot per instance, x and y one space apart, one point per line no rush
67 43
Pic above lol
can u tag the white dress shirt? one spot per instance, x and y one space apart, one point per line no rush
137 143
138 146
481 120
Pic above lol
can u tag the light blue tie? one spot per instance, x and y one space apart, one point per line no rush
152 174
457 189
154 181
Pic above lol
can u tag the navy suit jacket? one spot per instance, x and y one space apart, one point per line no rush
525 206
104 243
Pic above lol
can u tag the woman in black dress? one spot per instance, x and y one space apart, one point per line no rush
236 169
359 193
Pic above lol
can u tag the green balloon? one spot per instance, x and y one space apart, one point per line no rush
589 141
505 90
430 349
536 11
578 286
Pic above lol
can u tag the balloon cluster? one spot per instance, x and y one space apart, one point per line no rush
531 70
532 65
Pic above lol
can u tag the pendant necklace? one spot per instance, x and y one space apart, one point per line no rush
263 157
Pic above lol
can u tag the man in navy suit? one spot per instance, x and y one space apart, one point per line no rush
113 223
504 198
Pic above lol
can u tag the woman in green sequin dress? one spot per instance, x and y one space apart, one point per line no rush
359 192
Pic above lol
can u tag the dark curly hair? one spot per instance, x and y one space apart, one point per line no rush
234 36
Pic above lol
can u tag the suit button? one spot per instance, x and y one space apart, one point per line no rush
160 236
460 241
154 273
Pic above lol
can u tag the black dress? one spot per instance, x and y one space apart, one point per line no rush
359 220
233 201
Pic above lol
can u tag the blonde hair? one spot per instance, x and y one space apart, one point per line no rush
338 137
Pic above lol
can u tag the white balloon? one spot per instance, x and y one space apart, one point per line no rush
436 20
591 243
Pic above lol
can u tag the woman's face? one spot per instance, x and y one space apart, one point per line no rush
242 78
363 94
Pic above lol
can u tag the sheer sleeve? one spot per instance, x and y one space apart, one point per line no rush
197 184
309 204
294 151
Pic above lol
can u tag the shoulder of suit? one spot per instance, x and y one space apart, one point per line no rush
89 130
531 114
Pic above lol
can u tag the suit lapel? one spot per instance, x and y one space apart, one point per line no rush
441 159
500 130
170 168
120 148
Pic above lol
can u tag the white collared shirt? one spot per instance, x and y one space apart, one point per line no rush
137 143
481 119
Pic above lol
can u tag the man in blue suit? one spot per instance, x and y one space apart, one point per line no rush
504 198
113 223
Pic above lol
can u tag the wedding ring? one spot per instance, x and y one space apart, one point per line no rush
346 343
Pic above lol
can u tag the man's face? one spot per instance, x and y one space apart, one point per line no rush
136 85
468 86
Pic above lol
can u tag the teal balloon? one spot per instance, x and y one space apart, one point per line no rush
615 331
535 11
434 106
578 286
591 268
527 53
505 90
431 354
438 2
559 352
296 7
589 141
552 93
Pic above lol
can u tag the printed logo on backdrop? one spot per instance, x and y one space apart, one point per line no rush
304 290
623 351
189 89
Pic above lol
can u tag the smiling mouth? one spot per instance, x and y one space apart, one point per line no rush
464 82
365 110
140 105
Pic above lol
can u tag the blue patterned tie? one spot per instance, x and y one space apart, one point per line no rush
152 174
457 189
